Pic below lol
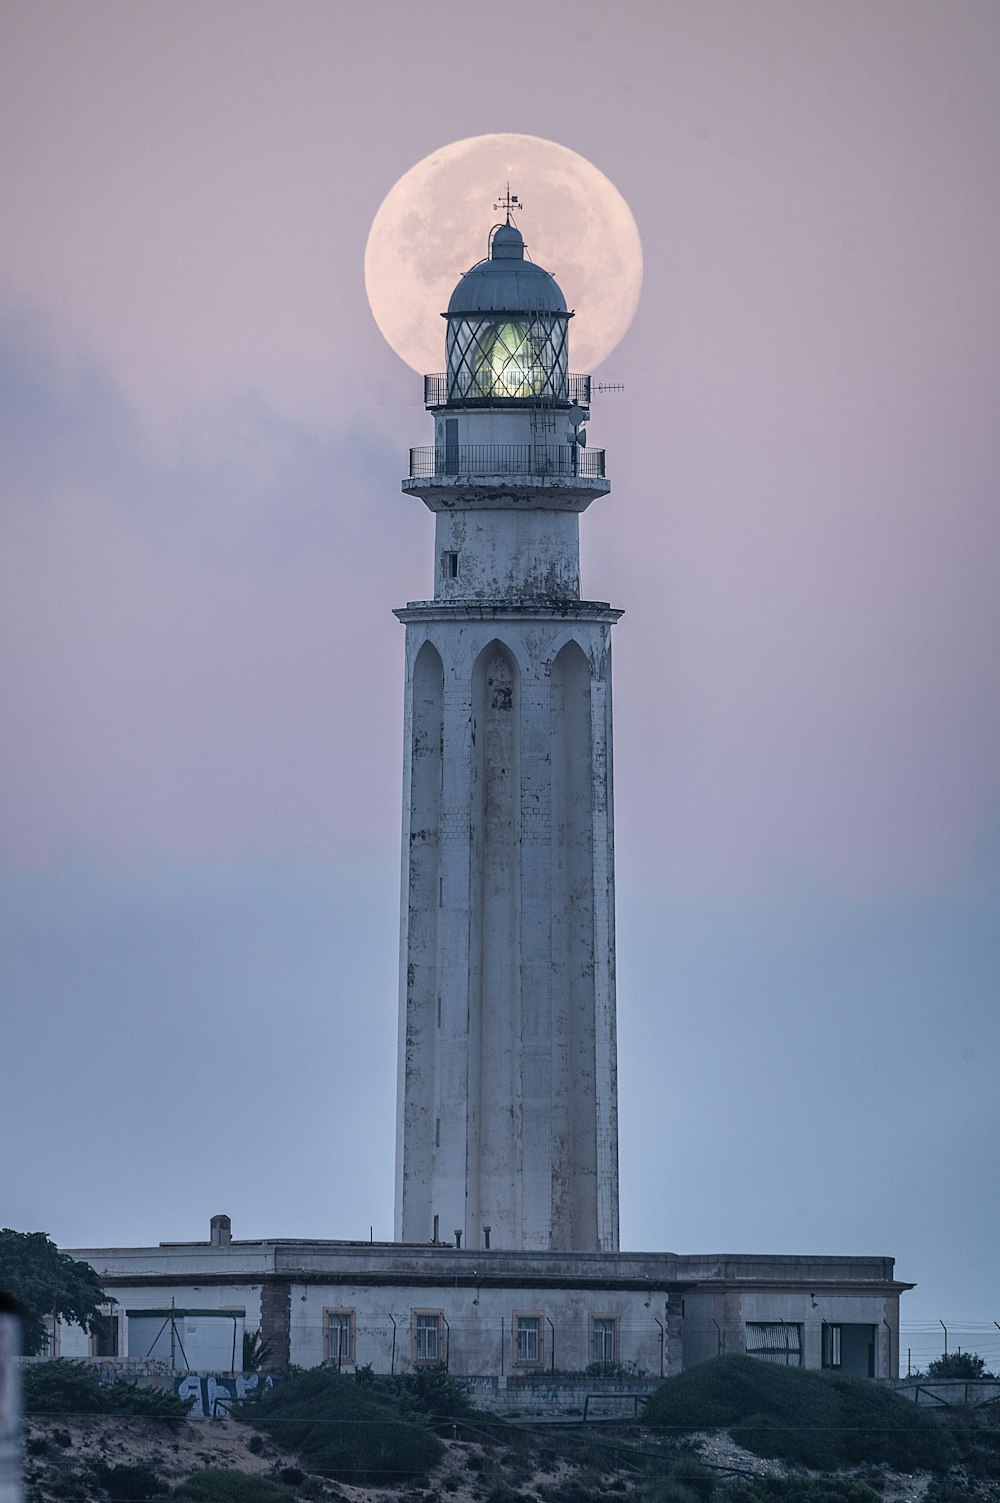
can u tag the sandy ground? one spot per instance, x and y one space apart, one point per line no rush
58 1472
59 1451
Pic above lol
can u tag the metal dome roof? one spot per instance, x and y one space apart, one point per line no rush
505 282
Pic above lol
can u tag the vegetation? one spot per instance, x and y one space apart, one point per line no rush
45 1282
345 1429
967 1365
65 1387
257 1350
215 1485
428 1391
799 1490
128 1484
821 1420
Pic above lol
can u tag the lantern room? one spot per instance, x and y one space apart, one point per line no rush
507 328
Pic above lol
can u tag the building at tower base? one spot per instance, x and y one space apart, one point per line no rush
485 1315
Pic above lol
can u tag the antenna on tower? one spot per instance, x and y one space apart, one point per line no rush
507 202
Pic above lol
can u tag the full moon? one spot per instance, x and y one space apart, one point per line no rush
434 224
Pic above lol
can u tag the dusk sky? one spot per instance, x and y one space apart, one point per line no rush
202 538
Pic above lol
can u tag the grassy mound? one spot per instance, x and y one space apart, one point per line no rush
821 1420
343 1430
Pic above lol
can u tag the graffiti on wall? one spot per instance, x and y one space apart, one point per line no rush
214 1394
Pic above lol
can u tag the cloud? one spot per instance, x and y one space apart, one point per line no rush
194 651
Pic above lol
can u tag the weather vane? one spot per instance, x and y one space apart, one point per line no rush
509 201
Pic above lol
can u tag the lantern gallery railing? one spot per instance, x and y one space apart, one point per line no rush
436 392
506 459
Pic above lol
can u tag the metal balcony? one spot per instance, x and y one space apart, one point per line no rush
436 394
470 460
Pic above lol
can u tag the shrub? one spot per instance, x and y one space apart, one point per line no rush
123 1483
65 1387
821 1420
344 1429
428 1391
215 1485
967 1365
798 1490
685 1478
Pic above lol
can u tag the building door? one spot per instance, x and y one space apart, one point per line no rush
850 1348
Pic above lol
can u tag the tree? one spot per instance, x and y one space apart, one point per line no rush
958 1365
46 1282
257 1350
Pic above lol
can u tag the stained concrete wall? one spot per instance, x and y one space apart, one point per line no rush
508 1078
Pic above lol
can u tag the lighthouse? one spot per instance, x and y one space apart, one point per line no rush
507 1132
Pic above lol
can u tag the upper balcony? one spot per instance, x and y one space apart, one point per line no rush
468 461
436 394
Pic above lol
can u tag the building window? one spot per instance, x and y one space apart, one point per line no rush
450 565
527 1339
604 1339
775 1341
831 1345
339 1330
428 1337
104 1336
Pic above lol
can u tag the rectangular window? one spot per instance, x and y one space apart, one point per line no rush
451 446
104 1336
604 1338
340 1330
831 1345
527 1339
775 1341
449 563
427 1336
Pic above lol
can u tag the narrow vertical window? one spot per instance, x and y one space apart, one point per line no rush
527 1339
340 1337
449 565
428 1346
604 1339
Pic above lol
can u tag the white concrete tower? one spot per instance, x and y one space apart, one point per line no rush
507 1126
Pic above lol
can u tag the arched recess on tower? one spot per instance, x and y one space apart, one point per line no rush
495 950
574 958
422 909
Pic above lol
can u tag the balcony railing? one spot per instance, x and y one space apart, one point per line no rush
436 393
506 459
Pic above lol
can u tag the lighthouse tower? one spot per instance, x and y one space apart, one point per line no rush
507 1130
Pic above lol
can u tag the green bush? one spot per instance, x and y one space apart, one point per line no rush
124 1483
428 1391
968 1365
685 1478
798 1490
215 1485
65 1387
821 1420
345 1429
